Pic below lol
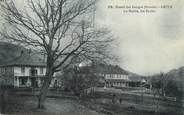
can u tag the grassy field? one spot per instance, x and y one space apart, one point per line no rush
134 105
98 103
15 104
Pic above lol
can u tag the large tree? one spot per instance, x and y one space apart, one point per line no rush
62 29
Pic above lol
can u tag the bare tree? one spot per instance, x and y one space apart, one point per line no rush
62 29
159 82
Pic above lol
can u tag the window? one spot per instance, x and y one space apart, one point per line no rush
34 72
23 70
23 81
41 70
107 76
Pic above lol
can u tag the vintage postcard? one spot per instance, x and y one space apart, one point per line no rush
92 57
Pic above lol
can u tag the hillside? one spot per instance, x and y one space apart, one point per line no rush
174 74
177 74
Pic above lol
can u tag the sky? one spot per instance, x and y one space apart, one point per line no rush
148 43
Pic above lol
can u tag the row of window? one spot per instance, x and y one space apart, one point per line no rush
7 70
33 71
116 76
116 84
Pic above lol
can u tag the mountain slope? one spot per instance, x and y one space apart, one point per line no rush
176 74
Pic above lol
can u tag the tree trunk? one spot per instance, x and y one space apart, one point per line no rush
2 101
44 90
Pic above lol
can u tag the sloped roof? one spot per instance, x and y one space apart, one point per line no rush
13 54
104 69
25 59
9 51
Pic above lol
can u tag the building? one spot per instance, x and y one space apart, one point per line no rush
109 75
113 75
26 70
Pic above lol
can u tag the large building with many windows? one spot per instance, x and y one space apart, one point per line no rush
112 75
109 75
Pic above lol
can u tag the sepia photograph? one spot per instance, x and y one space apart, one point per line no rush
91 57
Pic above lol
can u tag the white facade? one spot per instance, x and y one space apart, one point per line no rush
116 76
116 80
18 71
28 76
